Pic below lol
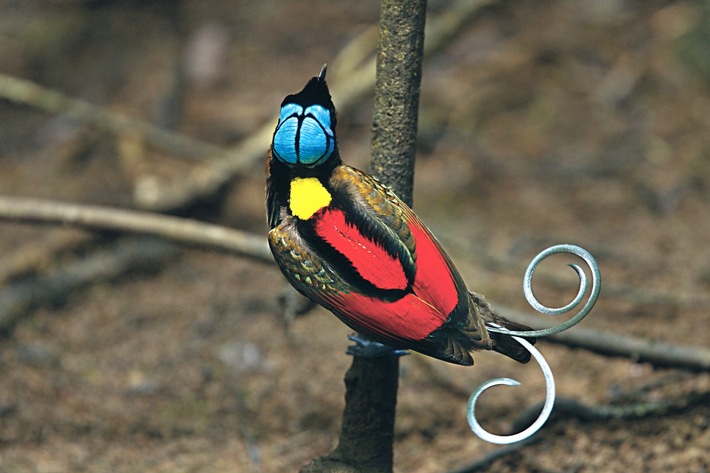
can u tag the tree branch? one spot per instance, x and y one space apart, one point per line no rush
567 408
657 353
127 254
29 93
482 463
367 433
98 218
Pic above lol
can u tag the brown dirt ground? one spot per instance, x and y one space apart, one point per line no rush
543 122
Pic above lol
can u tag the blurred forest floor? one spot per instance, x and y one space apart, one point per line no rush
551 122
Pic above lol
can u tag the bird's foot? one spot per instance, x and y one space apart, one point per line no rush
371 349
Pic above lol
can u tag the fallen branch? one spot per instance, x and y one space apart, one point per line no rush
485 461
29 93
640 350
566 408
32 258
98 218
19 299
481 255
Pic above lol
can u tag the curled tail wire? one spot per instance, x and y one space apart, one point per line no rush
497 327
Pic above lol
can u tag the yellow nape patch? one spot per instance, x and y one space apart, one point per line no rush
308 196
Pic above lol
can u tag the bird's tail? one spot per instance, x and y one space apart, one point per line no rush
504 344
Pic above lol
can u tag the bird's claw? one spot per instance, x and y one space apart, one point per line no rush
371 349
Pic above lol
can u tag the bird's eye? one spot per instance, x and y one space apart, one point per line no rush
304 136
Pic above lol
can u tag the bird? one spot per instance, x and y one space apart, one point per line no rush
348 243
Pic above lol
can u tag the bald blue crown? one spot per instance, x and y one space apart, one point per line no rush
305 133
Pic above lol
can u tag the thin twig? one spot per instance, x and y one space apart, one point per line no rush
32 258
486 460
482 256
657 353
98 218
566 408
19 299
32 94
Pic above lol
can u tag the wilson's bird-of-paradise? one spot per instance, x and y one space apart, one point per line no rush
350 244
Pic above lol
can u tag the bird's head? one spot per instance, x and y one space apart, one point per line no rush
305 134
